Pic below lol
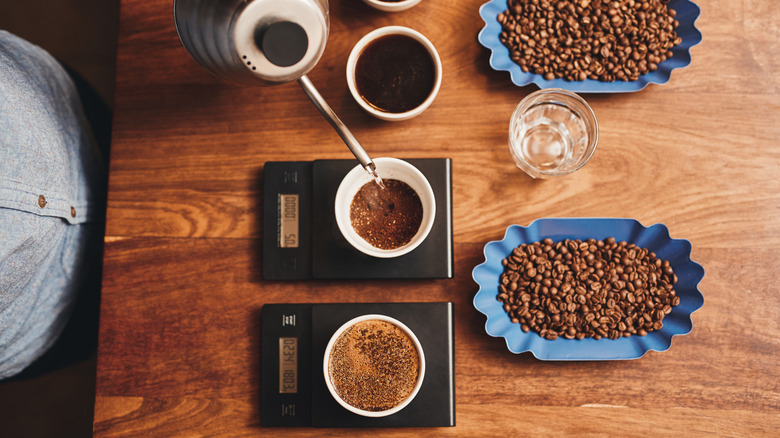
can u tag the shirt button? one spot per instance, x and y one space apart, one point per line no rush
41 201
72 212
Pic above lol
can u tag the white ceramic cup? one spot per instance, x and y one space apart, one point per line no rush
387 168
358 49
391 6
326 360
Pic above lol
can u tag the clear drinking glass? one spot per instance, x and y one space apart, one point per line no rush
552 132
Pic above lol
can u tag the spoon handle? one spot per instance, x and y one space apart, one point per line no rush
352 143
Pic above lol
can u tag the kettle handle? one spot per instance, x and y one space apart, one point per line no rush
352 143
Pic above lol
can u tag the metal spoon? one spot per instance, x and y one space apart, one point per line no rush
352 143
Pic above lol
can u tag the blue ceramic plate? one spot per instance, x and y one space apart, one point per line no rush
687 13
655 238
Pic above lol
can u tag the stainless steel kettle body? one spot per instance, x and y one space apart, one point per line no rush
254 42
263 42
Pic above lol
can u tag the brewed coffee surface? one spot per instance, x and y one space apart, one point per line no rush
395 73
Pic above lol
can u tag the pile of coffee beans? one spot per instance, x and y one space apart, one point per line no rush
589 39
593 288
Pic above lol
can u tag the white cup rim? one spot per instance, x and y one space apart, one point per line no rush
356 178
393 30
391 6
342 329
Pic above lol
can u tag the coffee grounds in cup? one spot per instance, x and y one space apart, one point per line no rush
374 365
386 218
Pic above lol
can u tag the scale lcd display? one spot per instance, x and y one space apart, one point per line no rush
289 213
288 365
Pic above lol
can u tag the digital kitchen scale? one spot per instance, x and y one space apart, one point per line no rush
293 387
302 241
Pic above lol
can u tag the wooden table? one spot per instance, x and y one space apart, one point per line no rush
179 346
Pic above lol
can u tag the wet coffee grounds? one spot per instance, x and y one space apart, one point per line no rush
386 218
374 365
593 288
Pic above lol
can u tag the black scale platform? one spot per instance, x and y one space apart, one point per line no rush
302 241
293 388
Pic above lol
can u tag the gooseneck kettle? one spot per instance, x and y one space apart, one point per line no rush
263 42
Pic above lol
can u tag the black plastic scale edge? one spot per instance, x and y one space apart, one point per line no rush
434 405
323 252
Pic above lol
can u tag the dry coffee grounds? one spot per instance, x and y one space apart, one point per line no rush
389 218
374 365
589 39
593 288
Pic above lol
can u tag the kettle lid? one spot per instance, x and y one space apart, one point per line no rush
280 41
284 43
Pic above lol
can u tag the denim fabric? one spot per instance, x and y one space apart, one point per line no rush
51 191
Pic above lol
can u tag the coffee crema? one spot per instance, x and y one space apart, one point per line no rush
374 365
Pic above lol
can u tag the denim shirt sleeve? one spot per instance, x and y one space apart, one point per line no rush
51 195
44 146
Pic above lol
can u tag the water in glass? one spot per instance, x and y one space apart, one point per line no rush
550 137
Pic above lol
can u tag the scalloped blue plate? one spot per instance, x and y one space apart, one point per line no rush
655 238
687 13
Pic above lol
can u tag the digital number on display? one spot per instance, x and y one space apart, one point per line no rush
288 221
288 365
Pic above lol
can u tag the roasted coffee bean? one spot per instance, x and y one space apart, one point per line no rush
597 39
600 289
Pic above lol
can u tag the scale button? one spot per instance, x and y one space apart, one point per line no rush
288 410
288 320
291 176
290 263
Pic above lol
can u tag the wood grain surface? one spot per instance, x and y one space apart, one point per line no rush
179 351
